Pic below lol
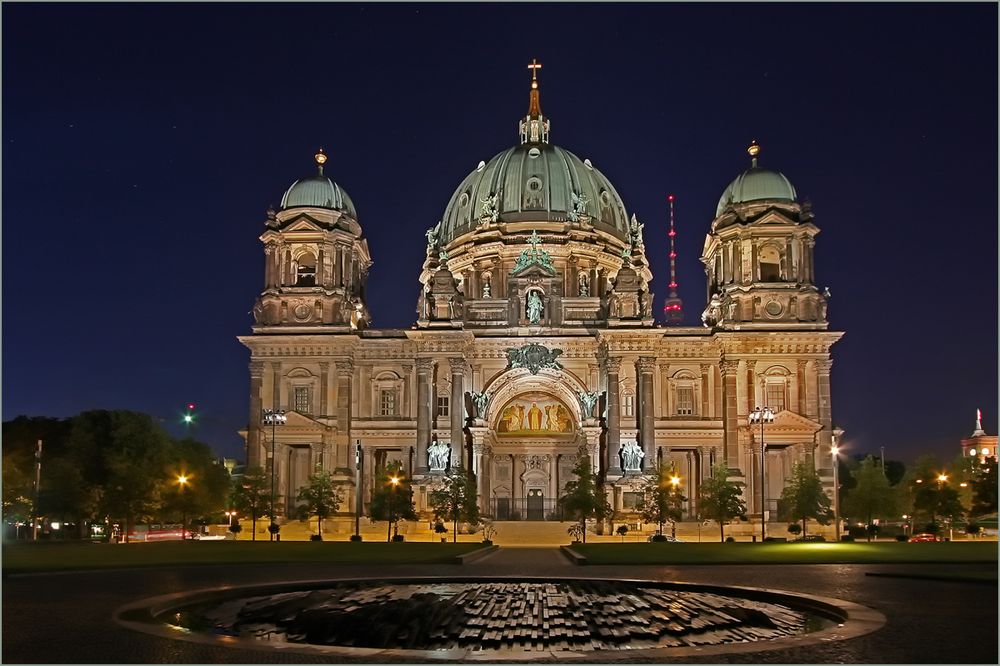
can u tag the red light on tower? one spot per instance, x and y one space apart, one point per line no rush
672 307
191 406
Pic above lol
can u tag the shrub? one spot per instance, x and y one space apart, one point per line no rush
973 528
316 537
274 528
439 528
659 537
235 528
397 538
902 537
730 539
355 537
794 528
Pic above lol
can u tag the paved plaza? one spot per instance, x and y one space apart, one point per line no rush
59 618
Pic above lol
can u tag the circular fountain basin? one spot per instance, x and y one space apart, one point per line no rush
412 619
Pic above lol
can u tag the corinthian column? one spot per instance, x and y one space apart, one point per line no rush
425 367
647 429
457 410
256 409
345 373
612 366
730 416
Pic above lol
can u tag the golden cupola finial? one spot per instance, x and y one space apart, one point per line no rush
320 158
753 151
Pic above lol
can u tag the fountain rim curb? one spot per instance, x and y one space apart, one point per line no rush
853 620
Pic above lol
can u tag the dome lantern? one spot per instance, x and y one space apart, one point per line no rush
318 191
534 128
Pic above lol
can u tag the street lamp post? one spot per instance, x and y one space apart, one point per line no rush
182 482
836 490
674 482
273 418
762 416
358 463
394 481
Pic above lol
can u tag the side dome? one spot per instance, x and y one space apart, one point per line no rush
756 184
318 192
534 182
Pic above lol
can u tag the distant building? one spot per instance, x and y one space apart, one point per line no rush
535 340
979 444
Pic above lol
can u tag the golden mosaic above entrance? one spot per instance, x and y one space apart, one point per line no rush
534 415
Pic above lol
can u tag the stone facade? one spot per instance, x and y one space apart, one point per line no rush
534 300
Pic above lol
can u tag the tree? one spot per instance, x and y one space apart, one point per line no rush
719 499
584 496
871 497
456 499
383 494
804 498
662 499
984 488
252 495
132 450
209 484
320 497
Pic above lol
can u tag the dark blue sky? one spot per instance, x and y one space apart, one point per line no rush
142 145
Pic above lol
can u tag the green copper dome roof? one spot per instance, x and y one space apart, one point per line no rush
318 192
535 181
756 184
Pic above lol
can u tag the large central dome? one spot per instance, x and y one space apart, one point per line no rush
535 182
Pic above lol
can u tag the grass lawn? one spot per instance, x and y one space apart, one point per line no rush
24 558
787 553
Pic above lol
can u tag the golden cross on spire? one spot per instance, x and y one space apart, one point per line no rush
534 67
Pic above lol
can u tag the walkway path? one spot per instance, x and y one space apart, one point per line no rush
67 618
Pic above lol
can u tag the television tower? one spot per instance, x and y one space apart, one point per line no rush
673 307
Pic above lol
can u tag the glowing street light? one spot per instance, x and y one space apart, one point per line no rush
182 481
762 416
834 449
393 481
674 482
274 419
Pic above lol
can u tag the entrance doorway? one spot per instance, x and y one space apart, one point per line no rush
536 505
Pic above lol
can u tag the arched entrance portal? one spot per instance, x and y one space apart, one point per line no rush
534 440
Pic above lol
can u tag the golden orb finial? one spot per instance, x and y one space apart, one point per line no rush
320 157
754 149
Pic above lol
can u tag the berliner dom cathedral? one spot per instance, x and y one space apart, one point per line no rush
535 340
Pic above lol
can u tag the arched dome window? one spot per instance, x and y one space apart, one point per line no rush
305 272
769 258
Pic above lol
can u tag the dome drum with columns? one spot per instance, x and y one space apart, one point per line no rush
535 341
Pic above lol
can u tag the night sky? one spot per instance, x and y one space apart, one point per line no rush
142 145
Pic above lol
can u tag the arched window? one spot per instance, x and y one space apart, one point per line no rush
305 274
770 264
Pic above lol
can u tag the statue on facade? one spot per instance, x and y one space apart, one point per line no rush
635 231
579 206
433 234
437 456
534 307
480 402
534 357
713 312
489 212
588 400
632 455
584 284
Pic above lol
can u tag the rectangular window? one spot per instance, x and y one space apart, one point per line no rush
685 400
387 402
776 396
443 403
629 405
303 399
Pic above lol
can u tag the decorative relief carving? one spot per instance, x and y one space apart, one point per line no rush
612 364
424 365
729 367
534 357
345 366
